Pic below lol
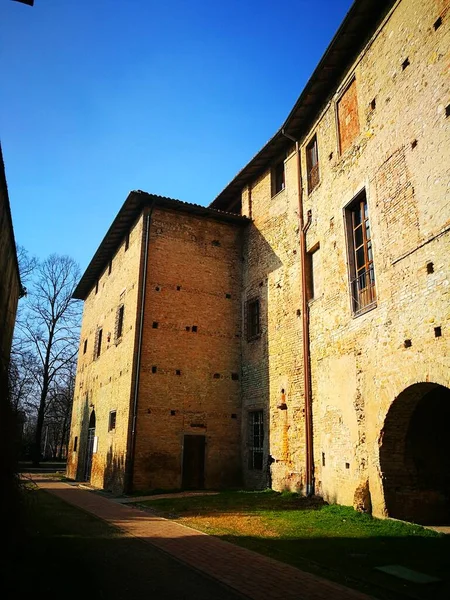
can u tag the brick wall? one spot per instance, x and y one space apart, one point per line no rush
104 383
190 377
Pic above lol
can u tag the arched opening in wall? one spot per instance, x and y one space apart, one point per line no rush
415 455
90 447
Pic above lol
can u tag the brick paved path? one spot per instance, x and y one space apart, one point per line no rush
253 575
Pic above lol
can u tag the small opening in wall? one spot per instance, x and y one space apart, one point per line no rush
228 296
109 267
447 110
373 104
261 283
437 23
216 376
437 331
157 288
235 376
215 243
430 268
188 328
347 465
323 459
405 64
178 288
194 328
173 413
155 325
413 144
234 416
298 312
154 369
330 156
407 343
178 372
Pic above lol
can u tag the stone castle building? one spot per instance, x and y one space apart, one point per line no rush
295 332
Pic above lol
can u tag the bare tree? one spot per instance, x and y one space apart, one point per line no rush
49 327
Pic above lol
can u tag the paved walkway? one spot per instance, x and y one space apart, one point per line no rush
254 576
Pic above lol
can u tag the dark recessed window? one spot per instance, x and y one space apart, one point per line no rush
277 178
127 241
75 443
154 369
155 325
437 332
312 267
253 319
362 274
96 287
98 342
109 267
256 440
405 64
194 328
437 23
112 420
85 346
373 104
119 322
312 164
235 376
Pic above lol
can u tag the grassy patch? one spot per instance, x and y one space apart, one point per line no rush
333 541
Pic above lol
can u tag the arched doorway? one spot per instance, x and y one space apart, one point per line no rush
415 455
89 447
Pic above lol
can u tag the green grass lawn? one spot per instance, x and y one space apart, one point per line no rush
333 541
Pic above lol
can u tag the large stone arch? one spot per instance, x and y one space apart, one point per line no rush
415 455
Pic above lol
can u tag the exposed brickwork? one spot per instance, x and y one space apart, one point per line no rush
193 281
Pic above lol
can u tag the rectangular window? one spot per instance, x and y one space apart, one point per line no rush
109 267
347 117
98 342
85 346
312 164
127 241
362 274
253 319
112 420
119 322
312 273
277 178
75 443
96 287
256 440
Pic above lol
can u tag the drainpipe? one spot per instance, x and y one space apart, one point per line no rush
309 480
132 446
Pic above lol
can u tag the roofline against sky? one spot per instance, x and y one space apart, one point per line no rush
360 21
135 203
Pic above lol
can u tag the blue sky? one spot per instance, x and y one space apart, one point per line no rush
100 97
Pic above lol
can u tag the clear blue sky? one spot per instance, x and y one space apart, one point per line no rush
100 97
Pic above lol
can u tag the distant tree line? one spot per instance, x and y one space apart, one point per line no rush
43 356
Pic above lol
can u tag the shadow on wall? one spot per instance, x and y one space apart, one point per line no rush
114 475
259 262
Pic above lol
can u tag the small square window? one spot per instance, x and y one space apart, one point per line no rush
253 319
277 178
112 420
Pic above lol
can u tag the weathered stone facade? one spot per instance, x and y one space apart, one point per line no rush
338 288
172 379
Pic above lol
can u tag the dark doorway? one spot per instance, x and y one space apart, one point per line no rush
194 462
415 455
89 447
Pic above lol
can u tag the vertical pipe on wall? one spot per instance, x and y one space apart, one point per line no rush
303 228
132 446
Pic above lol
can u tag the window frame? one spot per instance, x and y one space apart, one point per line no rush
360 273
112 420
120 318
256 451
98 342
253 319
312 168
274 174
